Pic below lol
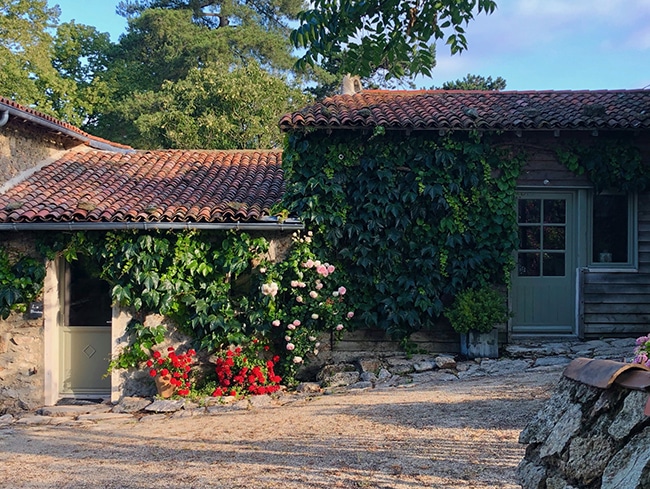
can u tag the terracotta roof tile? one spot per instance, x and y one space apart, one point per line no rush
56 125
464 109
150 186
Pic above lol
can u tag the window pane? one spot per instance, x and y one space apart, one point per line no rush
555 211
529 210
529 238
90 299
528 264
610 229
554 238
554 264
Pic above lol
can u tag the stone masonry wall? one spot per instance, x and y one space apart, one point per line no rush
21 364
23 149
21 345
587 437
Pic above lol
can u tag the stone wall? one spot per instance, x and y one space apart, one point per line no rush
21 344
21 364
23 148
588 437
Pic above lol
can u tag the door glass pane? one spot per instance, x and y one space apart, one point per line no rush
554 265
529 210
555 211
610 229
554 238
529 238
89 300
528 265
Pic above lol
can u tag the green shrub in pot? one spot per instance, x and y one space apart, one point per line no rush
478 310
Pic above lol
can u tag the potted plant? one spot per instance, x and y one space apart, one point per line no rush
171 372
475 314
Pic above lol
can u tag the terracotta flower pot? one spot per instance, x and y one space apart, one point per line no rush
165 388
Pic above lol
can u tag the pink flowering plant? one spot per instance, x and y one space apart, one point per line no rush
306 300
642 350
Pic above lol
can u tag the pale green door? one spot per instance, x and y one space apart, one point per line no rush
85 335
543 284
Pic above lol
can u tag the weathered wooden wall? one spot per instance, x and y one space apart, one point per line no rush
618 303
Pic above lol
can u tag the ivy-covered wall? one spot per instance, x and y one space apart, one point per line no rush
413 219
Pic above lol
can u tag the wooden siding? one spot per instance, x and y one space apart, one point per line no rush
618 303
543 170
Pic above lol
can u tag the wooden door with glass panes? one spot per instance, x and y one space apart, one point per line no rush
85 335
543 282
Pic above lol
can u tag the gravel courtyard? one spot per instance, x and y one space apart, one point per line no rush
444 434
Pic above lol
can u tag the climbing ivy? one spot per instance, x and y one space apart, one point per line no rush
413 221
197 279
21 282
610 163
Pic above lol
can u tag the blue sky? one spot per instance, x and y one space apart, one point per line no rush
533 44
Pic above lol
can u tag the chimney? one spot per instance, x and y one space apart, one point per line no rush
351 85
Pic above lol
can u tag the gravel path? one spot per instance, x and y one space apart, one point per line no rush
459 434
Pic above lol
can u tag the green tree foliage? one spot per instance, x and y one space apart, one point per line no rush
476 82
170 72
215 108
26 71
413 221
395 36
220 13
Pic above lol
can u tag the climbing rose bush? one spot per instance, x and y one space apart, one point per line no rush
243 371
173 367
306 299
642 350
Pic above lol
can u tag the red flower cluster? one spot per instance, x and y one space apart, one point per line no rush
241 374
173 368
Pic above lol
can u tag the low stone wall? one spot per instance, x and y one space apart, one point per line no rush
589 437
21 364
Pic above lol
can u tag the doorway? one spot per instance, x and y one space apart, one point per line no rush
544 280
84 334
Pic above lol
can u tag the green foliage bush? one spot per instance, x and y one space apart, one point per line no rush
478 310
20 283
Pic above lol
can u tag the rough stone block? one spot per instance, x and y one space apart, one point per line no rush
341 379
165 406
131 405
424 366
531 476
588 457
629 468
630 416
308 388
445 362
566 427
369 365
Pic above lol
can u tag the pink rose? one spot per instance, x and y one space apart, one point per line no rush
276 323
313 294
339 327
342 290
290 346
291 327
350 314
331 268
296 322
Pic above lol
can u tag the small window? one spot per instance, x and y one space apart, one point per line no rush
612 230
89 300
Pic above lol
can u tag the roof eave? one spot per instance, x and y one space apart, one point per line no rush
265 224
52 126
